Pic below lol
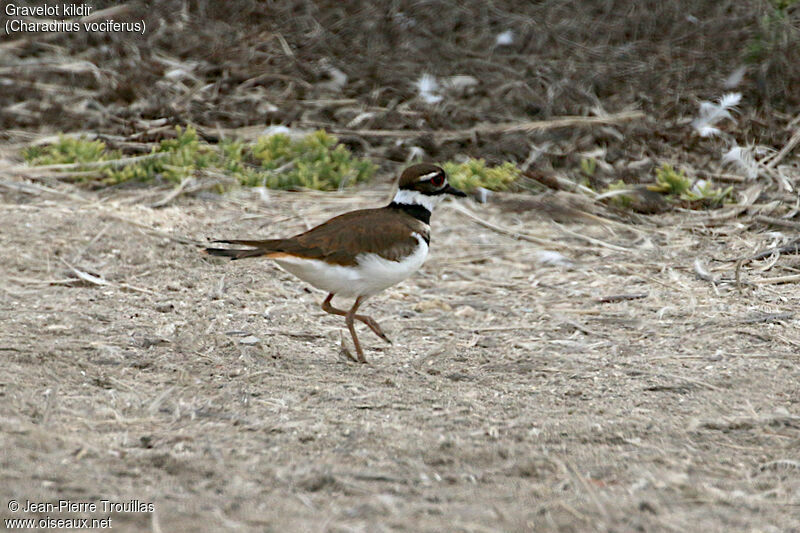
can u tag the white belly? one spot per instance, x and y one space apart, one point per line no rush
370 275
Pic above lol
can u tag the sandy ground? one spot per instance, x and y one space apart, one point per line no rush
512 399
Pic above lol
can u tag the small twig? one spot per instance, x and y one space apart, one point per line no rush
778 222
275 76
563 321
614 298
30 188
791 248
463 210
90 243
153 231
767 318
23 170
728 178
96 280
590 491
593 240
777 280
749 197
67 177
684 378
780 464
503 328
489 129
177 191
793 141
521 236
370 476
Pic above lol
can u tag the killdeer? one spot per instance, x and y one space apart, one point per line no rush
360 253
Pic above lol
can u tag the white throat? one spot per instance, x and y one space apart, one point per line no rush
415 197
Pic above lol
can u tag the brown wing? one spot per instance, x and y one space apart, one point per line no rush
386 232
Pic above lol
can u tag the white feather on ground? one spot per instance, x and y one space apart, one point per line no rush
549 257
712 113
735 77
744 159
427 87
505 38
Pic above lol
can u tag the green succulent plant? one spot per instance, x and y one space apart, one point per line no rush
315 161
474 173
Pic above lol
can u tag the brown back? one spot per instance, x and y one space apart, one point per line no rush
384 231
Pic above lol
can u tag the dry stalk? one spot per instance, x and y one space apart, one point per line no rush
30 188
788 147
793 278
26 170
614 298
96 280
592 240
177 191
778 222
515 234
493 129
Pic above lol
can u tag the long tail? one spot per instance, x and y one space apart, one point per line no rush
259 249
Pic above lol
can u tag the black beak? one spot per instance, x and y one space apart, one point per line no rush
452 190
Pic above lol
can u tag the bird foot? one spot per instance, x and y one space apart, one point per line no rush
376 328
344 350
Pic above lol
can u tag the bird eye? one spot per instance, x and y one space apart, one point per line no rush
438 180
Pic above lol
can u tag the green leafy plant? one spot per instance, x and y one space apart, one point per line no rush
588 166
624 201
316 161
707 195
671 181
474 173
775 31
172 160
676 187
68 149
676 183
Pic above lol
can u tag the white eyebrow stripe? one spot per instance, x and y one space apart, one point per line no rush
429 175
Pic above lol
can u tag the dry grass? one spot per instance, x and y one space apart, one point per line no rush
643 379
247 64
513 398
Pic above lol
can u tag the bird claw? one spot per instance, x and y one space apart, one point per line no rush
376 329
346 351
343 349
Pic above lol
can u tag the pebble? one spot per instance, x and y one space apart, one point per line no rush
429 305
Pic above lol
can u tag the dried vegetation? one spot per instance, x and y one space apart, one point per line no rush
565 361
